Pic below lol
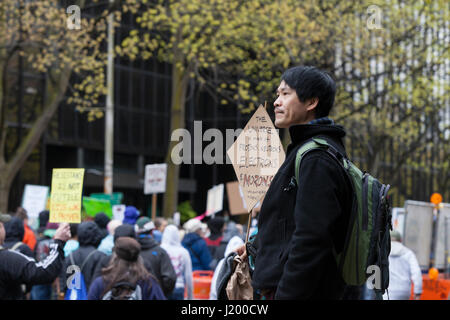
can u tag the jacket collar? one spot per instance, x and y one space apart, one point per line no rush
301 132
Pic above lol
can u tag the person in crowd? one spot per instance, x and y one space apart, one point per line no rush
72 244
14 235
404 269
302 224
231 230
102 220
160 225
42 220
156 259
43 249
29 238
124 230
193 241
86 257
108 242
125 276
216 226
181 261
130 215
234 243
17 269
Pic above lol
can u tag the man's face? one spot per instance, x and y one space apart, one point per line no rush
289 110
2 233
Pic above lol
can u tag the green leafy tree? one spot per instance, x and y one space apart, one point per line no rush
38 32
225 45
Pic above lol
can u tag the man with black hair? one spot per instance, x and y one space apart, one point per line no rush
303 223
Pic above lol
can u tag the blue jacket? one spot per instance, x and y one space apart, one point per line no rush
198 249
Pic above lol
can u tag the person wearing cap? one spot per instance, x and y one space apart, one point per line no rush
403 269
17 269
15 232
126 266
156 259
102 220
130 215
86 257
193 241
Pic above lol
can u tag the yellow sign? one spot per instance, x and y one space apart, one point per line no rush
66 195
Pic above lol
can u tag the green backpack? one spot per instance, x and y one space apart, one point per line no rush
367 244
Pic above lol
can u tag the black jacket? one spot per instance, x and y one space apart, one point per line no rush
79 257
298 227
89 238
17 269
158 263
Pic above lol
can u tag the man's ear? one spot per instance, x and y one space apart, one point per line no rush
312 103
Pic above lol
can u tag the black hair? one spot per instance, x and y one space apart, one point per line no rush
73 229
311 82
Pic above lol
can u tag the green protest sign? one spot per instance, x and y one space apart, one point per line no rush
92 206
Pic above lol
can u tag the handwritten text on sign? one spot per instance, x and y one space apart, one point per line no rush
155 178
256 156
66 195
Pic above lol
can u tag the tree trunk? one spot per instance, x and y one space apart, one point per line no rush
177 121
9 170
4 188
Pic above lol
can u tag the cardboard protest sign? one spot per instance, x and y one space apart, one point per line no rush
236 199
155 178
34 199
256 155
66 194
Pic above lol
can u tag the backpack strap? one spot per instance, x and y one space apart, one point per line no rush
322 143
87 258
318 143
16 245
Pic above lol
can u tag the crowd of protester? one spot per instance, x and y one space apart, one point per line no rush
106 259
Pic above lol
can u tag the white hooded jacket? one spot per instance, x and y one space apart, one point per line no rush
180 258
403 268
233 244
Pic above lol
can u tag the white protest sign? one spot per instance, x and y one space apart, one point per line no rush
214 202
34 199
256 155
155 178
177 218
118 211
